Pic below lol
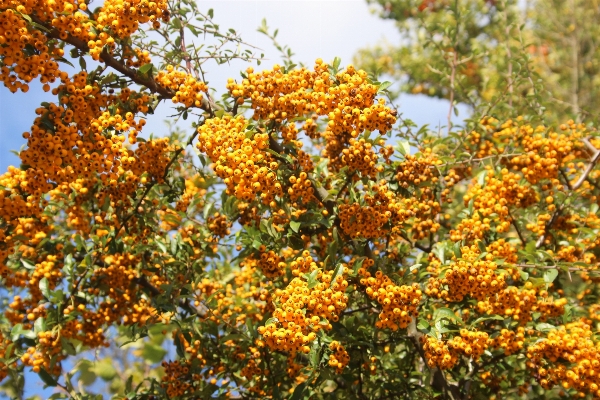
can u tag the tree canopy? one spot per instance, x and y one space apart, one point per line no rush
304 239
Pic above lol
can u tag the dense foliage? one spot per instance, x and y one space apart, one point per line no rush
304 239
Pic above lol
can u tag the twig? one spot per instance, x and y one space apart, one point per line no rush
514 223
591 165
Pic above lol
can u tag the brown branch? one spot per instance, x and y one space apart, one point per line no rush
143 282
576 269
591 165
117 65
452 77
514 223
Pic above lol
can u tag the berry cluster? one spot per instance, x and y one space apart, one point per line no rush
469 275
398 303
24 54
414 171
302 311
509 341
177 378
438 354
241 161
360 157
567 357
469 343
347 99
188 90
301 188
383 207
123 17
339 357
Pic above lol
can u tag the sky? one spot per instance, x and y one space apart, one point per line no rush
312 29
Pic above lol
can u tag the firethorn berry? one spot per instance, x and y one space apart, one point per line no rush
339 357
509 341
381 208
520 304
360 157
347 99
399 303
241 161
495 197
123 18
445 354
219 225
466 244
469 275
271 264
177 378
415 171
188 90
19 67
568 357
305 310
438 353
301 188
471 344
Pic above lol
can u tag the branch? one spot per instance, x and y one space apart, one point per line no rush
112 62
591 165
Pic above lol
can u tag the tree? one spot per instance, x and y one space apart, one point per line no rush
479 51
320 245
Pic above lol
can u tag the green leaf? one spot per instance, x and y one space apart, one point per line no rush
544 327
68 346
481 246
444 312
415 267
144 69
383 86
357 265
313 356
209 209
27 264
491 317
336 63
298 391
153 353
251 330
64 61
550 275
403 147
44 288
47 378
105 370
40 325
295 226
312 278
176 23
179 346
423 324
87 376
337 272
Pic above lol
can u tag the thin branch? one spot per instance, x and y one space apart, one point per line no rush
112 62
514 223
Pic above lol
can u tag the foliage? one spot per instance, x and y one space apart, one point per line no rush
494 51
319 245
